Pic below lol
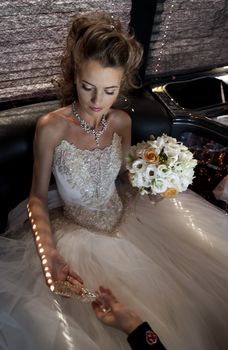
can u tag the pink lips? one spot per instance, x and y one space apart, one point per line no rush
96 109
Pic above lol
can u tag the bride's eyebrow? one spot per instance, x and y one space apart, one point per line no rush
107 87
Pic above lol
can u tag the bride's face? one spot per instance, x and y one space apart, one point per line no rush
97 87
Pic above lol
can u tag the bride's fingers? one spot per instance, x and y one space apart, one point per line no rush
75 276
73 281
105 290
65 270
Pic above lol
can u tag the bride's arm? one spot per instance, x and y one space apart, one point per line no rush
54 266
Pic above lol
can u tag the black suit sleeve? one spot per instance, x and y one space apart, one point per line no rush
143 338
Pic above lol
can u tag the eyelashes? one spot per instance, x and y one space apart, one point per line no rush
86 88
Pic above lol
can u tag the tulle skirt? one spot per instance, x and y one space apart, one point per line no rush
167 261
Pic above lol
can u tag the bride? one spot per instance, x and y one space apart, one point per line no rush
167 261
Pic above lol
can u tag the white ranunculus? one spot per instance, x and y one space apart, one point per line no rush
177 167
185 182
137 180
159 185
174 182
172 160
163 171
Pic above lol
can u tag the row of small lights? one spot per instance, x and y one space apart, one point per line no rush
41 251
164 37
160 89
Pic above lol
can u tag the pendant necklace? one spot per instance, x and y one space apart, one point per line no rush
87 128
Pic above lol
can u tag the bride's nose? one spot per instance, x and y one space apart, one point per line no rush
97 98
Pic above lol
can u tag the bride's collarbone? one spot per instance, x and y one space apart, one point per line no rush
85 141
72 132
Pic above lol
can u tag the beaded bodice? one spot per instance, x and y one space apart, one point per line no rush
86 183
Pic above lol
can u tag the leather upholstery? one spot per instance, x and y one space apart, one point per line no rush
16 138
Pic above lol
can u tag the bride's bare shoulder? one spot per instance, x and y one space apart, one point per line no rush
55 121
120 118
54 118
53 124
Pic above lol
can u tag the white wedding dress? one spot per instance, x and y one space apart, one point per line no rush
167 261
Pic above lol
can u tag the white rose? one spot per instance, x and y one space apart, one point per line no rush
155 147
172 150
187 155
169 140
188 173
187 164
157 144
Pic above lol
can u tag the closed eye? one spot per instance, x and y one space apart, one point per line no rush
86 88
110 92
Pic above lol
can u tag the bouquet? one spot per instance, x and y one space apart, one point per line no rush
160 166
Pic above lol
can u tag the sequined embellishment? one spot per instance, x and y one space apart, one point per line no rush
92 174
102 220
66 289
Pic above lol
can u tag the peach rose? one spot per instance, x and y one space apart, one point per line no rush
150 156
169 193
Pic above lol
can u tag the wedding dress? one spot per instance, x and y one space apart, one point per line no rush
166 261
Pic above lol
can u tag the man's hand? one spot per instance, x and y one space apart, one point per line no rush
112 313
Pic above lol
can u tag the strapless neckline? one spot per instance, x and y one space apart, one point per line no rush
95 150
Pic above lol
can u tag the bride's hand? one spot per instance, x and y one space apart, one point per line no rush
60 270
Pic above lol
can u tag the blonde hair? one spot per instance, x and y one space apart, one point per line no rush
100 38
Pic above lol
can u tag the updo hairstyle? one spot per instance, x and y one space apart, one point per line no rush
100 38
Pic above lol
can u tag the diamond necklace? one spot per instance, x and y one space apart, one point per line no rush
87 128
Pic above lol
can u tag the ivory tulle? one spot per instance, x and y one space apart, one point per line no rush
167 261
